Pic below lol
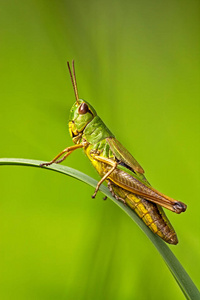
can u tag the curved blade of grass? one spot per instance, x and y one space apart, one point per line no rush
184 281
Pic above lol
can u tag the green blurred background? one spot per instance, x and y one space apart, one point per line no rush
137 63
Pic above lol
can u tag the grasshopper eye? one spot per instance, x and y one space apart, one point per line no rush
83 109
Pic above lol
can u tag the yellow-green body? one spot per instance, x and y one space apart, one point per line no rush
98 140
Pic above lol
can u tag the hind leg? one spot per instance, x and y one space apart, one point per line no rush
110 187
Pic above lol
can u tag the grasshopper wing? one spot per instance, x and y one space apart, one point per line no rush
137 183
123 155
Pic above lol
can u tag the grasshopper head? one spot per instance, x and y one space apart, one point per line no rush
81 112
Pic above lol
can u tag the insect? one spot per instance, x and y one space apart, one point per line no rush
124 175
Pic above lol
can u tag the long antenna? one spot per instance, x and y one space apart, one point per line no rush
73 79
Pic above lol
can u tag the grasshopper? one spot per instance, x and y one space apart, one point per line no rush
116 166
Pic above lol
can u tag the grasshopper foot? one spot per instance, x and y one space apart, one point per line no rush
94 195
45 164
96 190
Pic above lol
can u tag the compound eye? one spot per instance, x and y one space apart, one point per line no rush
83 109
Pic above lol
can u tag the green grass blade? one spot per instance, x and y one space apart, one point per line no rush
184 281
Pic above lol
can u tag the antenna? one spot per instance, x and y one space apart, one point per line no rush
73 79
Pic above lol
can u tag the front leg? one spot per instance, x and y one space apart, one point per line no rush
67 150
